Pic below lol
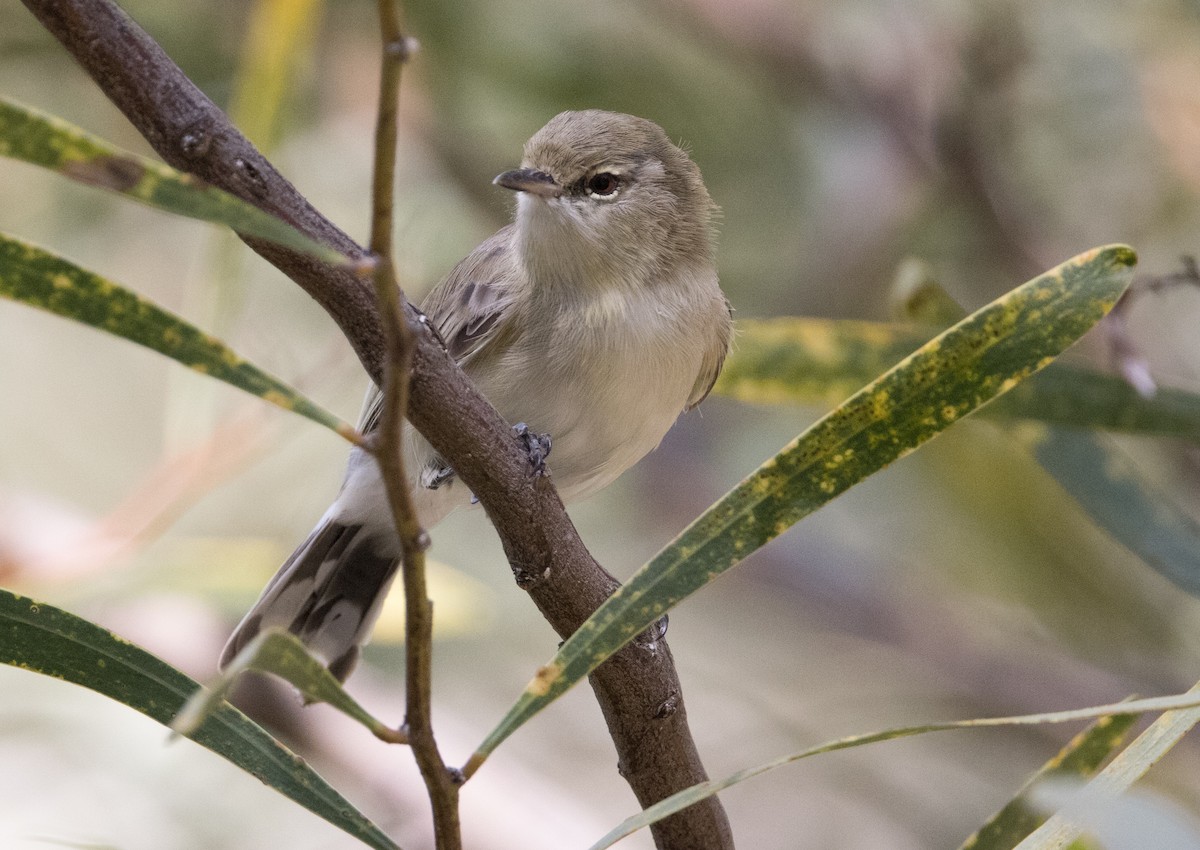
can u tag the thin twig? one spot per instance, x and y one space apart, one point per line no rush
440 781
1127 356
387 441
396 50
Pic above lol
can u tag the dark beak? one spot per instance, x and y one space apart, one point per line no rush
531 181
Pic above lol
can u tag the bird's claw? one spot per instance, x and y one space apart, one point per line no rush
537 447
435 476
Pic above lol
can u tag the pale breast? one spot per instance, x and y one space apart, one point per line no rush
606 379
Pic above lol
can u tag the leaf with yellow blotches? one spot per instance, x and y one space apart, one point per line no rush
976 360
36 277
47 640
803 360
34 137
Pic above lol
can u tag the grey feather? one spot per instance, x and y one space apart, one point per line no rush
328 594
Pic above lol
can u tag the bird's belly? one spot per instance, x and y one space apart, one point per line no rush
599 426
602 417
593 443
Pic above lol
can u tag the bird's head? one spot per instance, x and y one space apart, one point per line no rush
604 195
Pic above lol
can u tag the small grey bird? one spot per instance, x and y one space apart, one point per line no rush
595 317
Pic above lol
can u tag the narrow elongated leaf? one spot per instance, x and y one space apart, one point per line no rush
32 136
1083 398
690 796
821 361
918 298
802 360
817 361
1121 500
981 357
277 47
1081 757
40 279
1090 467
282 654
1127 768
47 640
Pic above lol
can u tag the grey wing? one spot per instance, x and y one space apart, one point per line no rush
710 369
468 307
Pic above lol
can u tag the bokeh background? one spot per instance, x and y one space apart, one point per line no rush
991 140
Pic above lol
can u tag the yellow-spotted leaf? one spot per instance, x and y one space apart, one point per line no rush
1179 704
1121 773
47 640
1089 466
821 361
32 136
36 277
1080 758
280 653
802 360
974 361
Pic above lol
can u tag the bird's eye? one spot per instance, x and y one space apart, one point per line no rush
603 184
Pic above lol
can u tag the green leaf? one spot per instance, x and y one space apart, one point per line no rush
811 361
1121 500
1081 757
40 279
1127 768
1082 398
917 296
1093 469
822 361
277 47
32 136
981 357
281 653
690 796
47 640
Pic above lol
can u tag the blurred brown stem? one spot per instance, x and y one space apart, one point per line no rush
638 691
388 447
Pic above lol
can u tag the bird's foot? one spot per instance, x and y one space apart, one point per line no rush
435 475
537 447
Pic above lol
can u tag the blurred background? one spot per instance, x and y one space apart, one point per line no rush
991 140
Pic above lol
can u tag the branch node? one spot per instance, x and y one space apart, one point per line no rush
667 707
403 48
652 634
253 179
195 143
527 579
365 266
392 736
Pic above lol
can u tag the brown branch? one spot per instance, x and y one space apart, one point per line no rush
638 690
388 447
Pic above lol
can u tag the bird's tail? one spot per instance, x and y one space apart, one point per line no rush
328 593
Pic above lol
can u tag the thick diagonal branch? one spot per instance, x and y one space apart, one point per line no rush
638 690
